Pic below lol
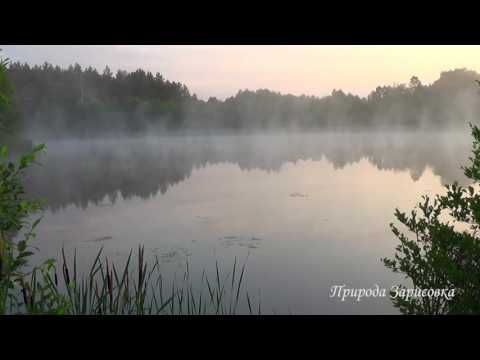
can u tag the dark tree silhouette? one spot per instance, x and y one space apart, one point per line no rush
84 102
7 113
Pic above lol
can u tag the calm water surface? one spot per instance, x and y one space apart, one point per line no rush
311 210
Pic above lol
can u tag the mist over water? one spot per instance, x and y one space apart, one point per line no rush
311 209
304 187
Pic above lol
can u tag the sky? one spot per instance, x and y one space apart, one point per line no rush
223 70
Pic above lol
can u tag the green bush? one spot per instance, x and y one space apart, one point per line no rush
16 212
444 251
5 96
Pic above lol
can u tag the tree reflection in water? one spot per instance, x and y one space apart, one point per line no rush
80 172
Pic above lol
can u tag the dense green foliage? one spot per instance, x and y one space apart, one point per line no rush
15 219
7 110
80 102
445 250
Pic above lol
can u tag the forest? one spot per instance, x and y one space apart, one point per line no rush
83 102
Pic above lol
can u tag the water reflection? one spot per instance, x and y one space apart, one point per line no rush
98 171
311 209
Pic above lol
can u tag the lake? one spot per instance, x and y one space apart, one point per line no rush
311 210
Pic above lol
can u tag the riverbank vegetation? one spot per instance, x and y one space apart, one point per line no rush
8 116
441 249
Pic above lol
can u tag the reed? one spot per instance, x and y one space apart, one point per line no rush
132 289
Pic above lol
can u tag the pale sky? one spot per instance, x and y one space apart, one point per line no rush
222 70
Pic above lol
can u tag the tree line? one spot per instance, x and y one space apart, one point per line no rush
85 102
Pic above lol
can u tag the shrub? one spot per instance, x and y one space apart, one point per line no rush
439 254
